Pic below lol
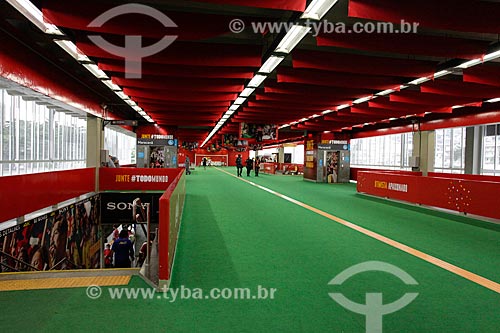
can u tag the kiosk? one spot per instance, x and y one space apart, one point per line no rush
156 151
333 162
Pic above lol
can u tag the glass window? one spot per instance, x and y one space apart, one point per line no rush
120 143
383 152
449 153
35 138
491 150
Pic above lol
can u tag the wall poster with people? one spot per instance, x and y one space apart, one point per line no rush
66 238
332 166
258 132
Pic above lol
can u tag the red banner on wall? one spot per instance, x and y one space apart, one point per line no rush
461 195
24 194
136 179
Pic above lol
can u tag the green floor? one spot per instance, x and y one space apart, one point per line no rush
237 235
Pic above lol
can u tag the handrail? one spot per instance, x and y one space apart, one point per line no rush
18 260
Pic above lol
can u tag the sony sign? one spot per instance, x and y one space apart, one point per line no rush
117 207
121 206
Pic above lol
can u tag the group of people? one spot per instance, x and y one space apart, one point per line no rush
59 241
120 252
250 164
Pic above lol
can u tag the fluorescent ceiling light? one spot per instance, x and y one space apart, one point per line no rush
326 132
247 92
256 81
385 92
122 95
131 102
470 63
32 13
72 50
240 100
142 113
393 119
92 68
362 100
292 38
303 119
457 106
314 116
419 81
225 116
271 64
234 107
441 74
343 106
317 9
229 112
327 111
493 100
286 125
491 56
113 87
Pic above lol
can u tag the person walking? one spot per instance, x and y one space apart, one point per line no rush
204 163
123 250
186 165
249 163
257 167
239 165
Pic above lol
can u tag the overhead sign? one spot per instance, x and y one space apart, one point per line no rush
331 146
125 122
157 142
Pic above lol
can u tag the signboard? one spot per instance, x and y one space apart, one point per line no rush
136 179
66 238
157 142
125 122
258 132
116 207
322 146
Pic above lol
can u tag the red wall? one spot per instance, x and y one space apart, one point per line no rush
136 179
354 172
171 207
24 194
461 195
464 176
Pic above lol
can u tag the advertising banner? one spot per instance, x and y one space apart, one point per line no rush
136 179
66 238
461 195
258 132
116 207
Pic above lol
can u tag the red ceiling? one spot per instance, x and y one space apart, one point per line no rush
190 84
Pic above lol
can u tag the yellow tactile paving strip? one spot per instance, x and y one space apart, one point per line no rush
56 283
